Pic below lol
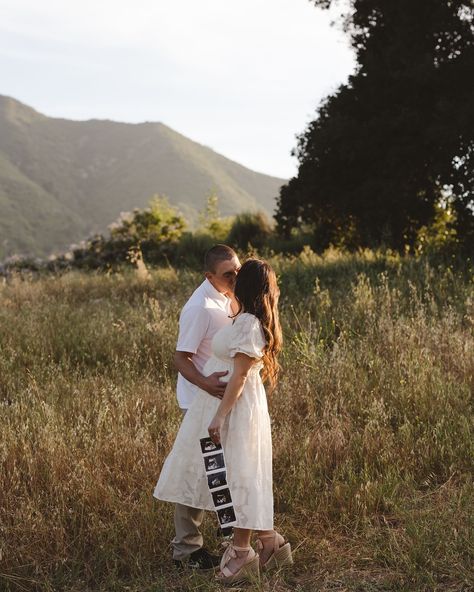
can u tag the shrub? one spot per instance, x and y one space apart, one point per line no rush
250 228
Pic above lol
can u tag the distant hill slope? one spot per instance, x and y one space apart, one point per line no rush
62 180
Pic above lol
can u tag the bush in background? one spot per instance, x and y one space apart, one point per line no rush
158 235
250 229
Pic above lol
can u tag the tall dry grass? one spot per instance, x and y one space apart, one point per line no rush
372 427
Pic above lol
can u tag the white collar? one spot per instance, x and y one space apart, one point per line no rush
213 293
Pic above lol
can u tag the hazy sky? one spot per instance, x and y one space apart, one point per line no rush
242 77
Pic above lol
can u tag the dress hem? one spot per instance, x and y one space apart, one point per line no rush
213 509
183 503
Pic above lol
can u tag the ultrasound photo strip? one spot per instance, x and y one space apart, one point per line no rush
216 473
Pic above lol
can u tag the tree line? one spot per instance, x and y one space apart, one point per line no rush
391 150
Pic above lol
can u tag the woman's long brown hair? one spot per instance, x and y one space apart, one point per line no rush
257 292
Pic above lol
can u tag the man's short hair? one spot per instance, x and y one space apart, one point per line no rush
215 255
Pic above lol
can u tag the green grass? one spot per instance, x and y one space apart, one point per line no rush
372 427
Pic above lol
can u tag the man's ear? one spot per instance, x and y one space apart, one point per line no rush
208 275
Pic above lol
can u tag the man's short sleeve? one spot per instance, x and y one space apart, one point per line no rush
193 326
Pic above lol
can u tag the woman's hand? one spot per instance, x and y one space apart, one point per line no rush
215 428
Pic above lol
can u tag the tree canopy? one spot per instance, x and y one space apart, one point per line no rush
398 139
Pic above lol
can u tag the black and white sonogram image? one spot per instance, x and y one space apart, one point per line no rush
221 497
215 461
207 445
216 480
226 515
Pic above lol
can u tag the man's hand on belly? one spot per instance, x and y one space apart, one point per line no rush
213 385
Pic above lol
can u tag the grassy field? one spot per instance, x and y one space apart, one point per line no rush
372 427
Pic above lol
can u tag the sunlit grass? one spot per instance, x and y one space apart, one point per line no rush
372 427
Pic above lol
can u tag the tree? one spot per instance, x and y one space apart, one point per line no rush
389 145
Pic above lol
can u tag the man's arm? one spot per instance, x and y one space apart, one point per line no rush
211 384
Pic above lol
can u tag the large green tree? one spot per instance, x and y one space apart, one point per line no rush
399 136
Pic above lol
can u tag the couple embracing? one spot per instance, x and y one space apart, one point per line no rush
229 340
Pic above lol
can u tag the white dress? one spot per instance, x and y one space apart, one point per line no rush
245 437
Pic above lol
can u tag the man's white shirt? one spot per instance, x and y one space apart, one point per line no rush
202 316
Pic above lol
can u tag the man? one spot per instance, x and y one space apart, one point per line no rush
208 310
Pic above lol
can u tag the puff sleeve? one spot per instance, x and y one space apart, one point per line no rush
247 336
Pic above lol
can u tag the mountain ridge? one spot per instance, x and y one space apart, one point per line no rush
62 180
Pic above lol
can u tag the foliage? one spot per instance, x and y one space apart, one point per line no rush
154 232
387 144
160 222
157 235
191 249
441 234
250 228
211 223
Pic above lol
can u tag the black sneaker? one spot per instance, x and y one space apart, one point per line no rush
200 559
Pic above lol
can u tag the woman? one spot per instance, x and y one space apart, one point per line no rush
241 425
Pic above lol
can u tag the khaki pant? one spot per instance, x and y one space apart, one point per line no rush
188 537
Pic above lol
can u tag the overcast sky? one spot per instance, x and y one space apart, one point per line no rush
242 77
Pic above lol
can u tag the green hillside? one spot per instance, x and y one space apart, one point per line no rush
62 180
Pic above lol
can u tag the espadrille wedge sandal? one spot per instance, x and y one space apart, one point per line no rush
249 572
281 554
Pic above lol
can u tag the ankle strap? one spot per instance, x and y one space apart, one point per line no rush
277 540
266 536
241 548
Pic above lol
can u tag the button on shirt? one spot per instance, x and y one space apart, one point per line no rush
202 316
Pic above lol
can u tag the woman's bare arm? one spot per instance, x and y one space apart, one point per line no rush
234 388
